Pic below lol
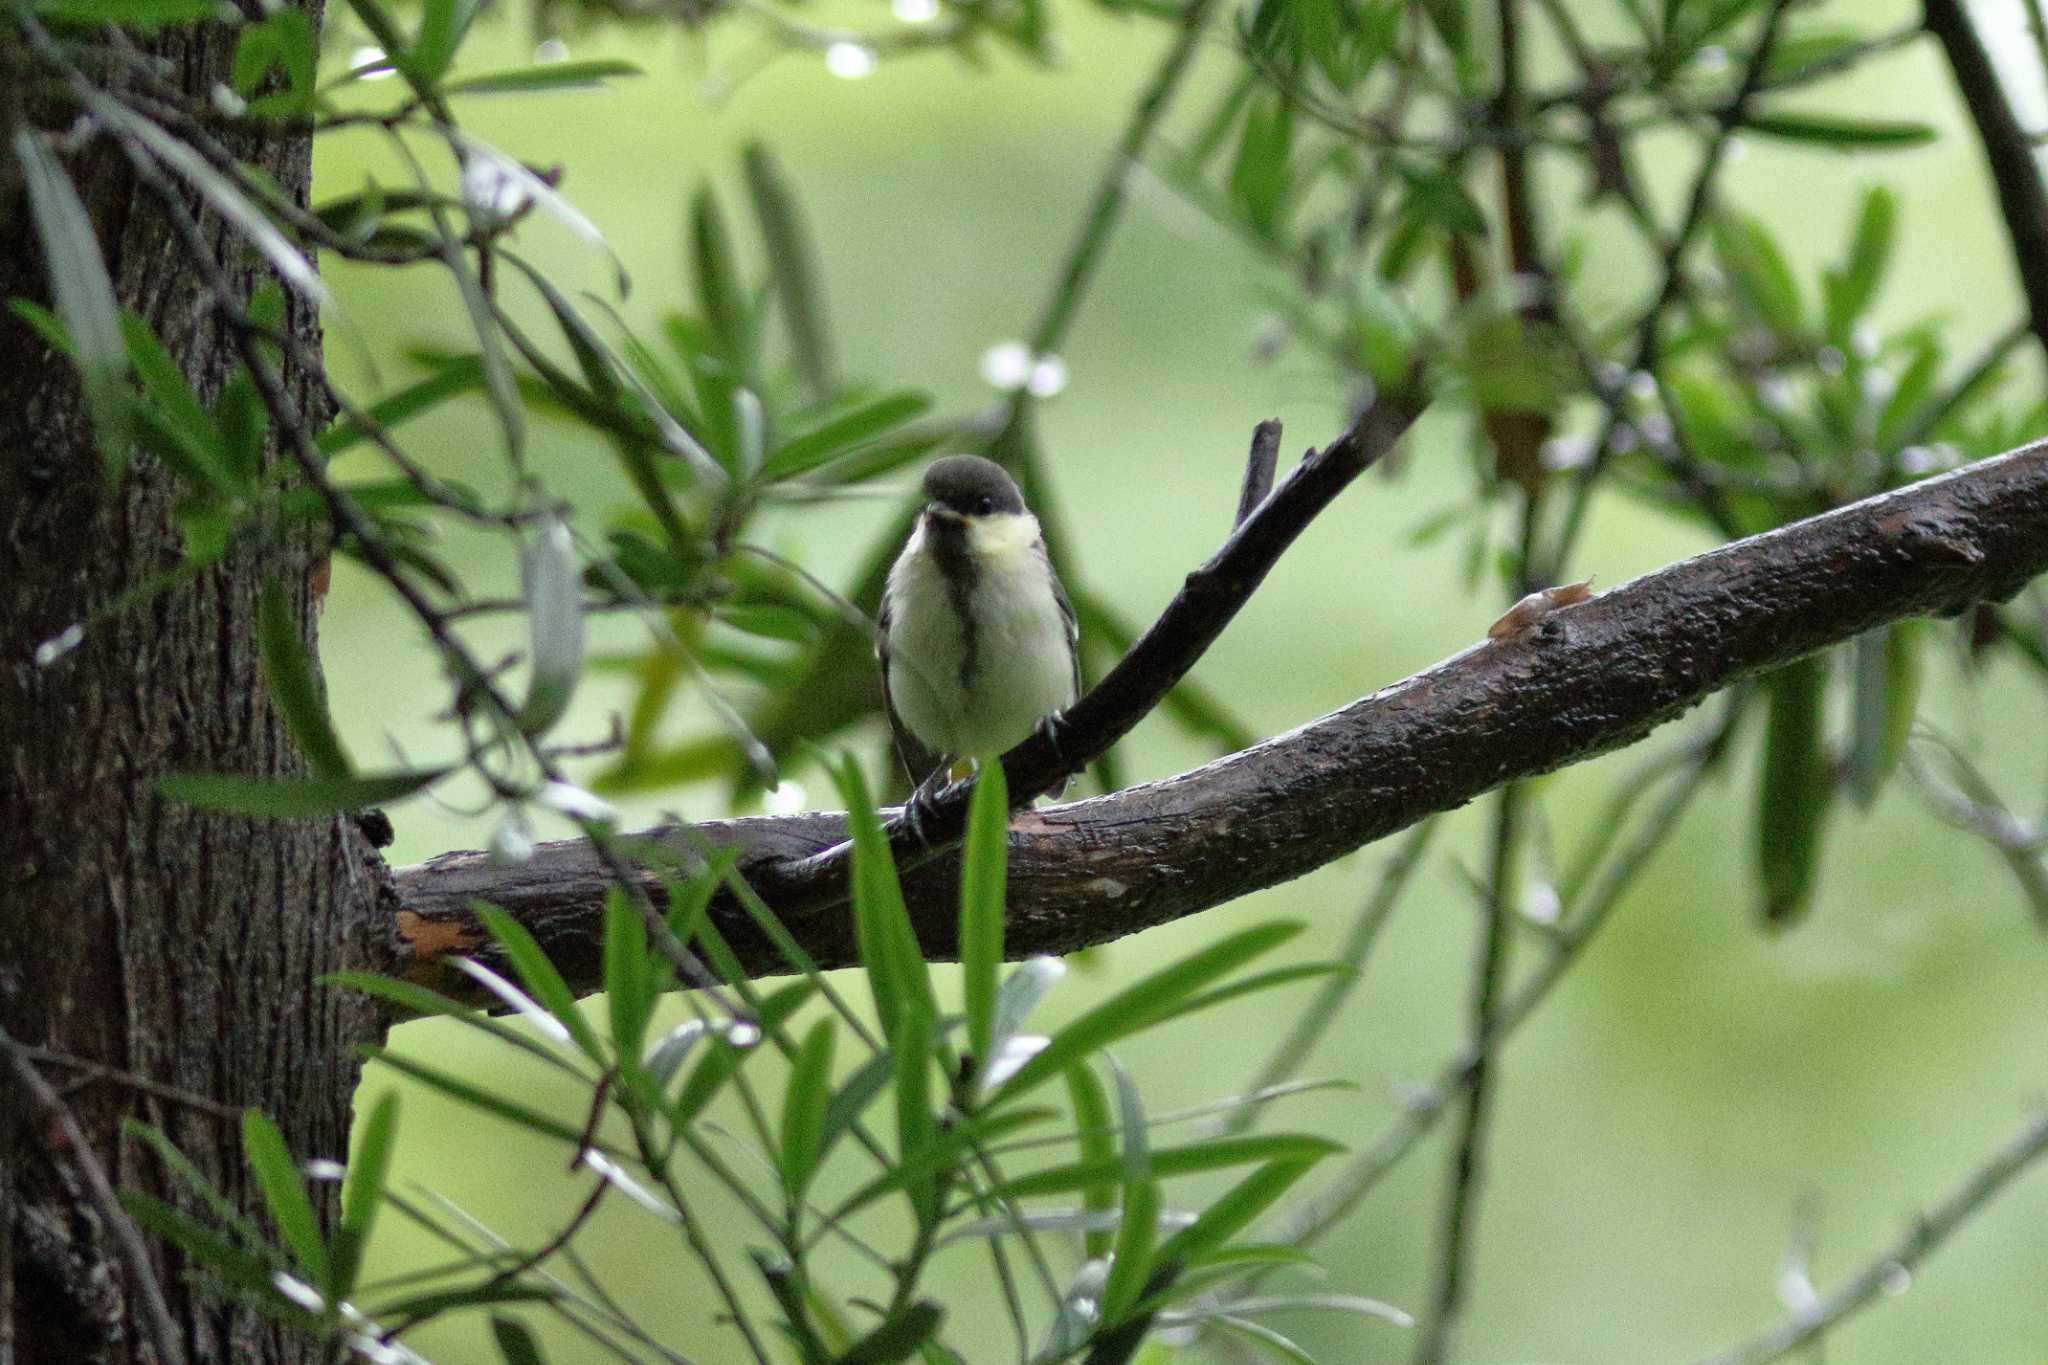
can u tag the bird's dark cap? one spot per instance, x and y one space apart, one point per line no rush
971 486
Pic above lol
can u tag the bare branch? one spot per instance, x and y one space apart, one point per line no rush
1922 1239
2022 199
1258 468
1588 679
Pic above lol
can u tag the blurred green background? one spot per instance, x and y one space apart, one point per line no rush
1691 1083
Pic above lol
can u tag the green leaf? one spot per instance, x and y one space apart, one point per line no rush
1887 692
292 798
793 265
284 1194
804 1101
226 198
456 377
284 38
235 1267
718 1065
1208 1155
540 977
244 425
1094 1134
363 1194
443 24
431 1004
1760 275
549 76
1244 1202
916 1125
145 15
1848 291
895 965
553 587
1842 134
898 1338
720 296
1793 798
984 863
1259 179
629 978
836 437
295 686
1131 1261
515 1343
179 409
84 297
1146 1002
1260 1335
478 1097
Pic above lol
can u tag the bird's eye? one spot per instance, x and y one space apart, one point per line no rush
984 506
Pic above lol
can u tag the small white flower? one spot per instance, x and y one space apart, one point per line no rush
849 61
1006 365
1048 376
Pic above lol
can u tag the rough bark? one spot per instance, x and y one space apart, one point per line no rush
1579 682
179 946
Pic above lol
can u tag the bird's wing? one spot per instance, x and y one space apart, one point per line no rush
918 761
1073 623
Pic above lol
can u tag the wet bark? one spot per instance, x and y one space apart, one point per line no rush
166 943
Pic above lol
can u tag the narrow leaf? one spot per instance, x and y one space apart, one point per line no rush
540 977
292 798
295 686
84 297
363 1194
804 1103
1145 1003
984 863
284 1194
1793 798
1096 1138
1131 1259
554 612
793 265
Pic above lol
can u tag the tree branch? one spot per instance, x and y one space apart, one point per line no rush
2021 197
1585 680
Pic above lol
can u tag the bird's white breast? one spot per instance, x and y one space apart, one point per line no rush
1021 668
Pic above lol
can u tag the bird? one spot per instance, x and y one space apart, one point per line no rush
977 641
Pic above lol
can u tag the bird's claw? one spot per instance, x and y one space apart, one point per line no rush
920 805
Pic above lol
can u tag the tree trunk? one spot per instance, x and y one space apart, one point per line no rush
166 943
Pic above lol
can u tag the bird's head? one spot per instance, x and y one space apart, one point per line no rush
967 488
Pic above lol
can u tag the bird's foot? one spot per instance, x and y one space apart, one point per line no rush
1052 729
921 805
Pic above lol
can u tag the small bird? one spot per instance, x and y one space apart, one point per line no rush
976 636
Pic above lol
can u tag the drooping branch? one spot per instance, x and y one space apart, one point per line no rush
1584 680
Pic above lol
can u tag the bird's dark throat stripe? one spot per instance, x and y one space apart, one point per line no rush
946 538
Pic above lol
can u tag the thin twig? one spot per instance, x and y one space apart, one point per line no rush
1321 1011
2022 198
1459 1221
1364 1172
151 1308
1892 1268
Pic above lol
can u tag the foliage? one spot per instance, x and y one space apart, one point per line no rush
1374 155
960 1116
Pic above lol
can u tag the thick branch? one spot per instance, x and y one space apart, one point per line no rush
1584 680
